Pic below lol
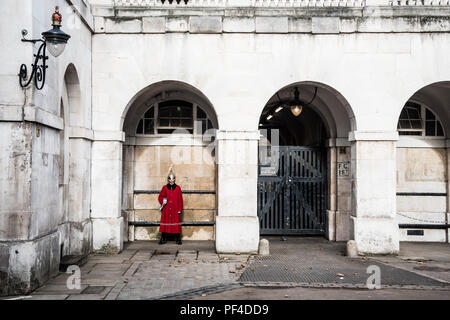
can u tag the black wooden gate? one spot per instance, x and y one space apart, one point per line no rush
292 197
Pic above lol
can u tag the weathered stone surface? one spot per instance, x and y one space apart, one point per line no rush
237 234
263 247
238 24
177 24
352 250
154 24
271 24
207 24
325 25
99 24
123 26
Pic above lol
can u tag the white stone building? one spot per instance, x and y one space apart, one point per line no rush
82 160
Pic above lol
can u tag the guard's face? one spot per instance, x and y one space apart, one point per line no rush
171 181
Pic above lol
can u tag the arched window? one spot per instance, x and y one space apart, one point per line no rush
418 120
165 117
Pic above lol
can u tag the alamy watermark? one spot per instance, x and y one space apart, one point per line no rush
74 280
374 280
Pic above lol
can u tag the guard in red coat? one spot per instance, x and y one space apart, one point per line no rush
171 200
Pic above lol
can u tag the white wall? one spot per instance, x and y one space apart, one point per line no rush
240 72
44 227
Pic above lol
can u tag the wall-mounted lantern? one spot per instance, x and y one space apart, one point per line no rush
55 40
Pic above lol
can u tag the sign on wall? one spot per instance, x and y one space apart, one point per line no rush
343 169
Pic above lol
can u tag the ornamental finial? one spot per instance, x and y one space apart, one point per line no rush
56 18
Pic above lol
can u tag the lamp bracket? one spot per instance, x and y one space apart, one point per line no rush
38 71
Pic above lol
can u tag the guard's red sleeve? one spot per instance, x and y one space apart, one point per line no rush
162 195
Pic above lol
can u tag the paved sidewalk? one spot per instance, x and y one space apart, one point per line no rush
300 268
146 270
316 262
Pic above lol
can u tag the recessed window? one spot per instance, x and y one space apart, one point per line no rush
173 115
418 120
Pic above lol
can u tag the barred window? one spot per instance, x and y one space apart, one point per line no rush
418 120
172 115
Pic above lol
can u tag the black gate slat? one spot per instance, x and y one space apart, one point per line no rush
294 201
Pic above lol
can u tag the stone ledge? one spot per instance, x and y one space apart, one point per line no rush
338 142
34 114
209 24
404 142
109 136
237 135
218 22
373 136
271 24
81 133
11 113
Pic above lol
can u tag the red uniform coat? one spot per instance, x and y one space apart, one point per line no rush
170 216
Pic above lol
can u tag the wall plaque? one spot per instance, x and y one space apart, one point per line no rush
343 169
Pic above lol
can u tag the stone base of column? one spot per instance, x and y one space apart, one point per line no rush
330 230
107 235
81 237
27 265
237 234
376 235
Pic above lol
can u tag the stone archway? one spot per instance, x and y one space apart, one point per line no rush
169 124
422 162
313 160
75 175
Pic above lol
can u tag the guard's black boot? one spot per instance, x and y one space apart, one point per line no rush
163 238
179 239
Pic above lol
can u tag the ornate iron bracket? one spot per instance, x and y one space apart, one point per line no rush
38 71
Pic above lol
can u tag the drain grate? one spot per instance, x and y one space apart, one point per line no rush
320 264
196 292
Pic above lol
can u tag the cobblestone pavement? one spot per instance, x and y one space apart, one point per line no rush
146 270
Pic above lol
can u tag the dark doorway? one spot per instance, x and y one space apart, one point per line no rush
292 171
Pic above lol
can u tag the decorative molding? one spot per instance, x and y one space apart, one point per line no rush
35 114
373 136
109 136
239 3
237 135
81 133
338 142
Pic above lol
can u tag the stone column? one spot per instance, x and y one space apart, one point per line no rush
330 228
374 227
448 188
339 175
106 215
79 217
237 224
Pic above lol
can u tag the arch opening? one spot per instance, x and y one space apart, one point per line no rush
72 87
302 127
422 165
169 124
